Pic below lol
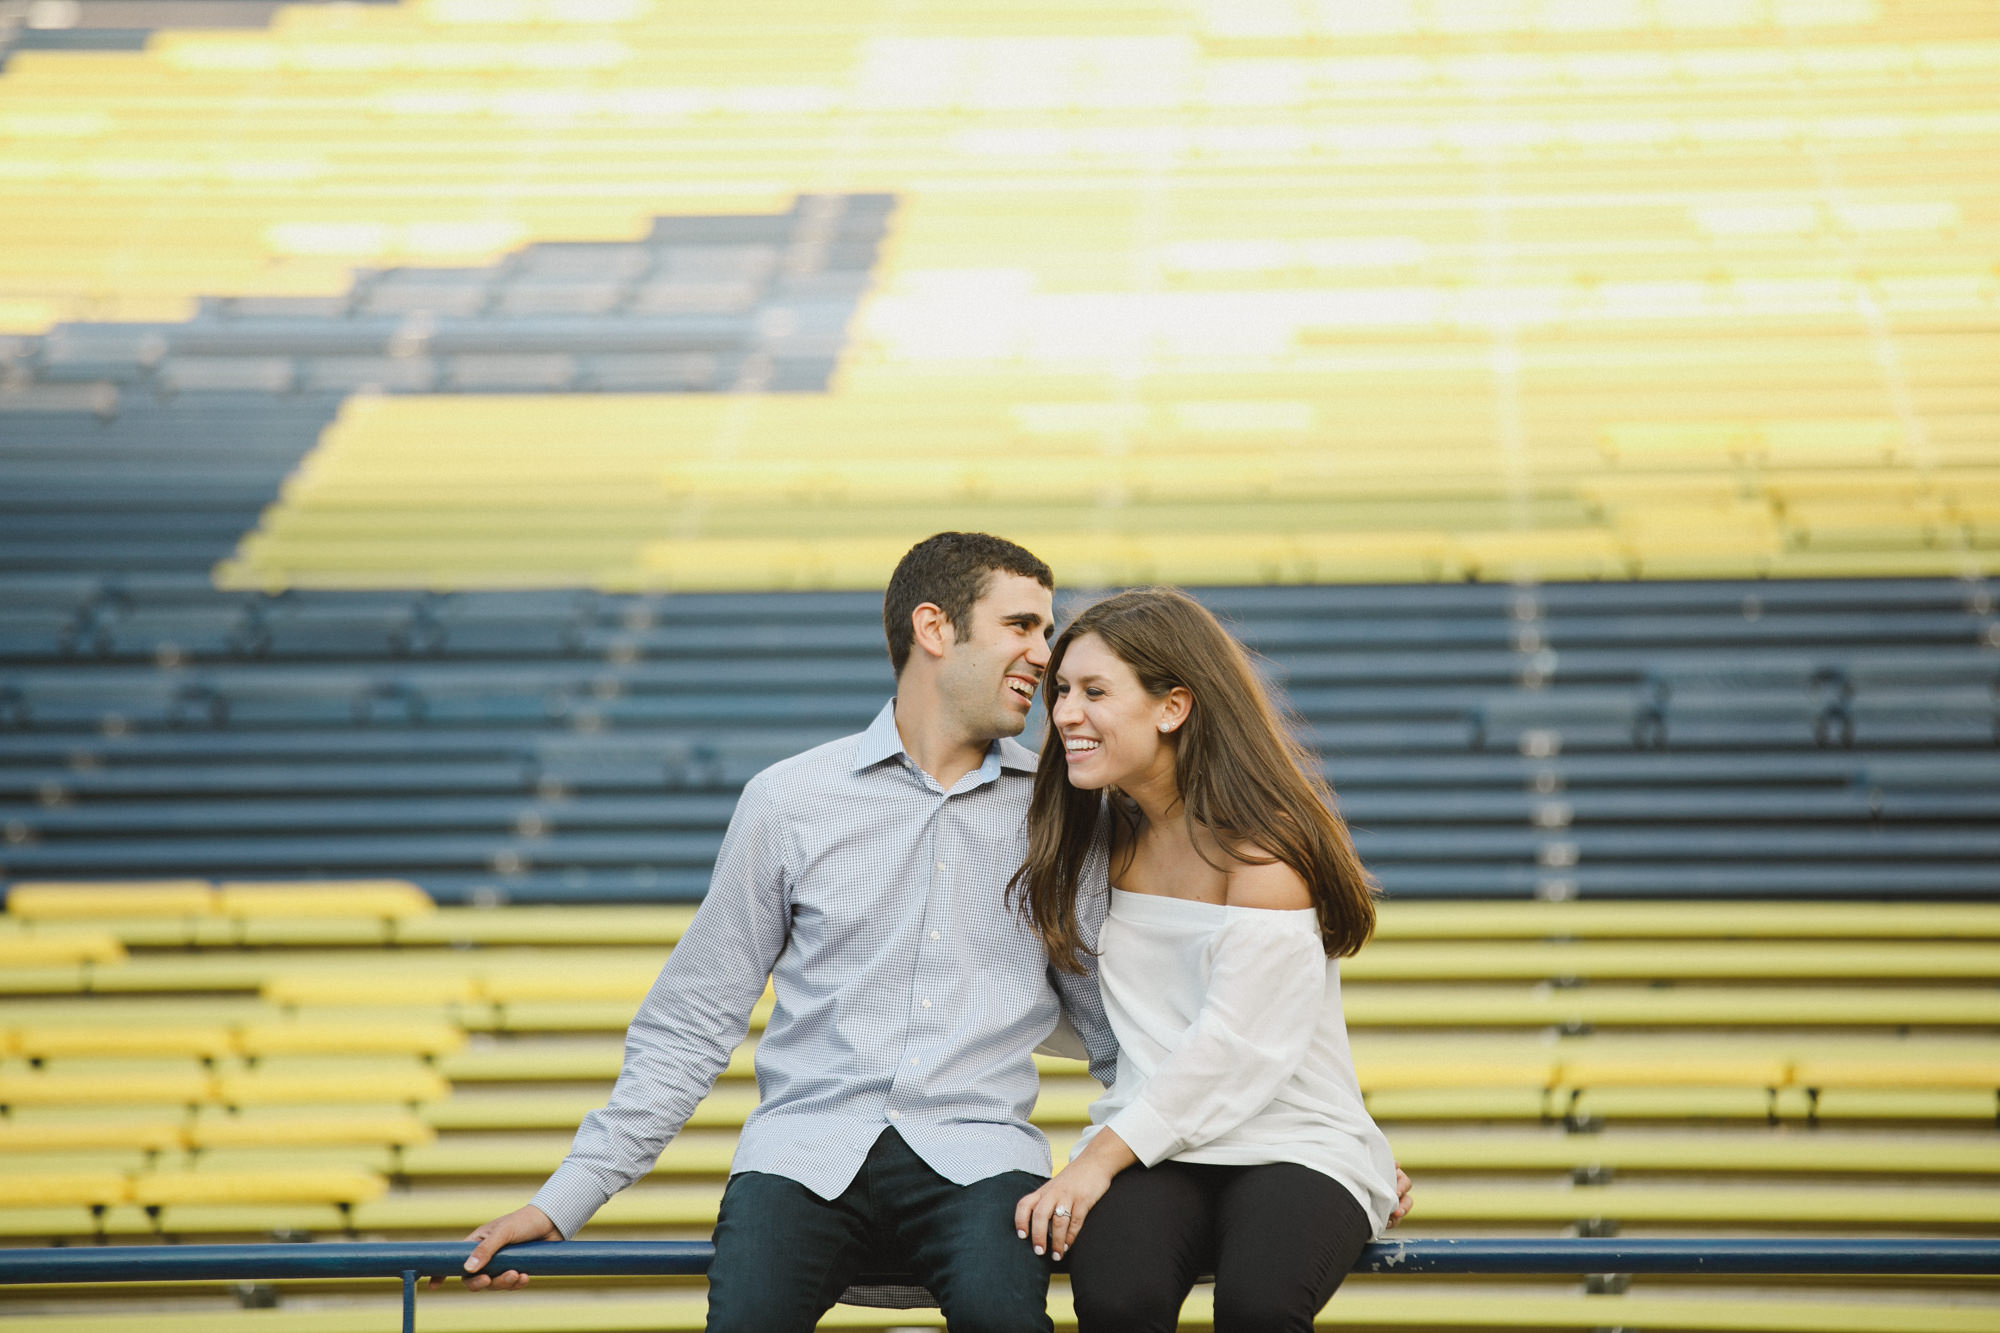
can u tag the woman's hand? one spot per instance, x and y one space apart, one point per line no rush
1053 1214
1402 1196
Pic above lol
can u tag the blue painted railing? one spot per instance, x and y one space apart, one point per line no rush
194 1263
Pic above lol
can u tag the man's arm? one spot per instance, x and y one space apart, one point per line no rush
1082 1002
1083 1010
693 1018
690 1022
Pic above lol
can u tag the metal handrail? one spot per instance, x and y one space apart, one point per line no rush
624 1258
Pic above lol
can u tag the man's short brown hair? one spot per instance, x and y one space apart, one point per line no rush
950 571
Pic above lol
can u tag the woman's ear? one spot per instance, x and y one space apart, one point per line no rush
1175 708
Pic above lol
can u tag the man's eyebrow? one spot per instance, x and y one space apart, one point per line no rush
1028 618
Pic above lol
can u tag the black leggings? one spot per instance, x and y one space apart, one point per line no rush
1278 1237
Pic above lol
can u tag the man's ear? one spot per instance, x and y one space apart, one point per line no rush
930 629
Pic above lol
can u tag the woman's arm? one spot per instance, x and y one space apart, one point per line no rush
1266 980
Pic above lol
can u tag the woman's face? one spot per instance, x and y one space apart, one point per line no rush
1111 729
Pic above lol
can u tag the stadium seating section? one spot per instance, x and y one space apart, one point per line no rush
446 447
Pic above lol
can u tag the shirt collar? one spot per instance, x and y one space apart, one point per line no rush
882 741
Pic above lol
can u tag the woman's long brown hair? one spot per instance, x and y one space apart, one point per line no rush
1243 777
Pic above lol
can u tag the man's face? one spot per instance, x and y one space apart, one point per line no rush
988 681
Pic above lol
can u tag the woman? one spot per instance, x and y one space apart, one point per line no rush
1234 1141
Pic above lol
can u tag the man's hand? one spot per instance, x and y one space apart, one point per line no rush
1402 1197
523 1224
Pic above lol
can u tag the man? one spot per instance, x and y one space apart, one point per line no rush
866 879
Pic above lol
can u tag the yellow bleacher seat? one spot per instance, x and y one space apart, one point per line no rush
117 1161
614 978
335 898
1974 1105
1395 960
355 1033
1978 1068
541 1108
1700 1151
1518 1102
98 1083
57 1189
69 1040
27 951
378 1158
583 923
1681 1066
1684 1102
541 1061
177 1222
643 1205
299 1080
400 988
156 974
694 1152
1582 919
1384 1070
70 1128
314 932
274 1126
31 1224
1651 1006
51 900
1760 1203
559 1016
294 1184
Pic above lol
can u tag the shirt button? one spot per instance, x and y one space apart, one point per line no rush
895 1115
925 1003
937 865
915 1061
935 935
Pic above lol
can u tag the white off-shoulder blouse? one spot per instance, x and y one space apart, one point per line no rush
1232 1047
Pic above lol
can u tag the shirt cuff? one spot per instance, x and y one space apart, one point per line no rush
570 1197
1144 1132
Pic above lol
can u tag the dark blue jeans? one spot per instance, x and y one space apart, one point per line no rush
783 1255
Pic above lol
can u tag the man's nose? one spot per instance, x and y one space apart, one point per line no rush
1038 654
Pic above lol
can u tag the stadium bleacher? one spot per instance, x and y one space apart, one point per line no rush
1728 971
447 447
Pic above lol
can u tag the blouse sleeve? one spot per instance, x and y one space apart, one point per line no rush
1266 980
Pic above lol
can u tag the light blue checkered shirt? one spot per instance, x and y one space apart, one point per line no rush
909 994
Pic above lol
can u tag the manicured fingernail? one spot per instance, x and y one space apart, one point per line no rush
1022 1234
1038 1249
471 1266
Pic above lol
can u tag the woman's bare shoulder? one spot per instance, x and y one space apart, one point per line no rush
1271 885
